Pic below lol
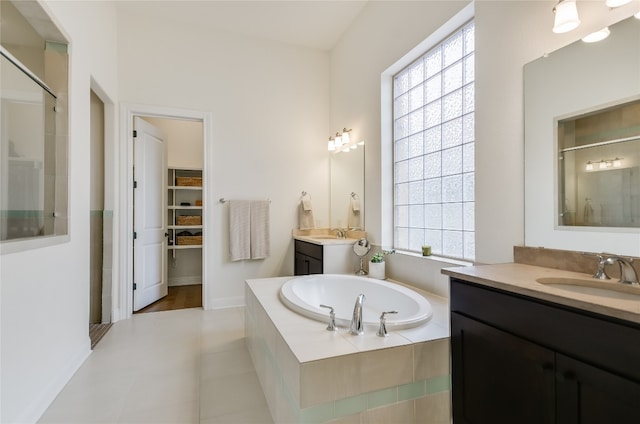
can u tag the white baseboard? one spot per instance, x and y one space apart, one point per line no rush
185 281
224 303
41 402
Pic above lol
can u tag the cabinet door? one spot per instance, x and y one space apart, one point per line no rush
590 395
305 265
499 378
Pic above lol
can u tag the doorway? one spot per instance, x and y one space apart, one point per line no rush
182 213
101 225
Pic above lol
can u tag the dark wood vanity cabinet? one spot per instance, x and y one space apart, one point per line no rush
520 360
308 258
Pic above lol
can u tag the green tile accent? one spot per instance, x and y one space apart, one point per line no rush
411 390
351 405
107 213
438 384
382 397
57 47
317 414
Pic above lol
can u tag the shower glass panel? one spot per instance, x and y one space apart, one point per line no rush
599 168
32 160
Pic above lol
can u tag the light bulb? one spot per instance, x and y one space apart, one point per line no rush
594 37
603 165
616 3
617 163
589 166
566 16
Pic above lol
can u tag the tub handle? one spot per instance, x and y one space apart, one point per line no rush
382 331
332 318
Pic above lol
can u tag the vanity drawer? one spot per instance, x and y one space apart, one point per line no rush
599 340
309 249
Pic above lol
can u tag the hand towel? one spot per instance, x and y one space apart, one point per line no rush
306 203
239 229
305 214
355 204
353 214
588 212
260 238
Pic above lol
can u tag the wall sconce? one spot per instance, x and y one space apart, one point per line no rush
331 146
566 17
338 140
346 137
589 166
594 37
637 15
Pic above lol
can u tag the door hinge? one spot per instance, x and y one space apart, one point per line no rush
135 286
135 133
135 235
135 184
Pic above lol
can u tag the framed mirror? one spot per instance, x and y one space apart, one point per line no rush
347 189
566 92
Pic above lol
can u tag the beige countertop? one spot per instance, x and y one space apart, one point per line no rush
521 279
326 236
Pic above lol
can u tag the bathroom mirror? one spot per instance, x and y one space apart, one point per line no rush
347 189
588 85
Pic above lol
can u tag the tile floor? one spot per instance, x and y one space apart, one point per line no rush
182 366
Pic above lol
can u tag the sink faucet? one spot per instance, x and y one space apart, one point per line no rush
357 327
341 234
627 273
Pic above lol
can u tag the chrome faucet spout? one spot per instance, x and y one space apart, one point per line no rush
357 326
627 272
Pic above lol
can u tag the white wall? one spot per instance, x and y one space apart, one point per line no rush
45 291
509 34
270 106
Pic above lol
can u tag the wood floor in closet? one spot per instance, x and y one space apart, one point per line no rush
179 297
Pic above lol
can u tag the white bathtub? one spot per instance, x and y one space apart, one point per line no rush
305 294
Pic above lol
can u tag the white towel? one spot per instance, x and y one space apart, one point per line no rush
305 214
260 238
355 204
353 214
240 229
306 203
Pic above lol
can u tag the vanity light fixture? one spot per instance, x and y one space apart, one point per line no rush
594 37
566 17
604 164
616 3
637 15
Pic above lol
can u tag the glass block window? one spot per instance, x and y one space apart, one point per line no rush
433 115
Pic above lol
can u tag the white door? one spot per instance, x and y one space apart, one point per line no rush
149 215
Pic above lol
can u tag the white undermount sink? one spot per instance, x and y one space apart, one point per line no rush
598 288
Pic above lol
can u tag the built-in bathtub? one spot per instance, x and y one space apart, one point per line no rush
311 375
305 294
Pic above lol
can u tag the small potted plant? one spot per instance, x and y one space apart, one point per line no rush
377 266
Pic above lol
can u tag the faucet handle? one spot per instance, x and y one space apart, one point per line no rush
332 318
601 273
382 331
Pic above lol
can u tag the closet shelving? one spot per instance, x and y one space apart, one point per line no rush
183 206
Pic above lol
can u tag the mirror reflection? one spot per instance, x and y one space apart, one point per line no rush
347 189
599 168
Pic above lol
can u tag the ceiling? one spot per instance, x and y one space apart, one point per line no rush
308 23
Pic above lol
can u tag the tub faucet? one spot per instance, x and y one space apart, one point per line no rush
357 327
627 273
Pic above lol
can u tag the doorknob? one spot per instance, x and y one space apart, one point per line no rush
166 234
